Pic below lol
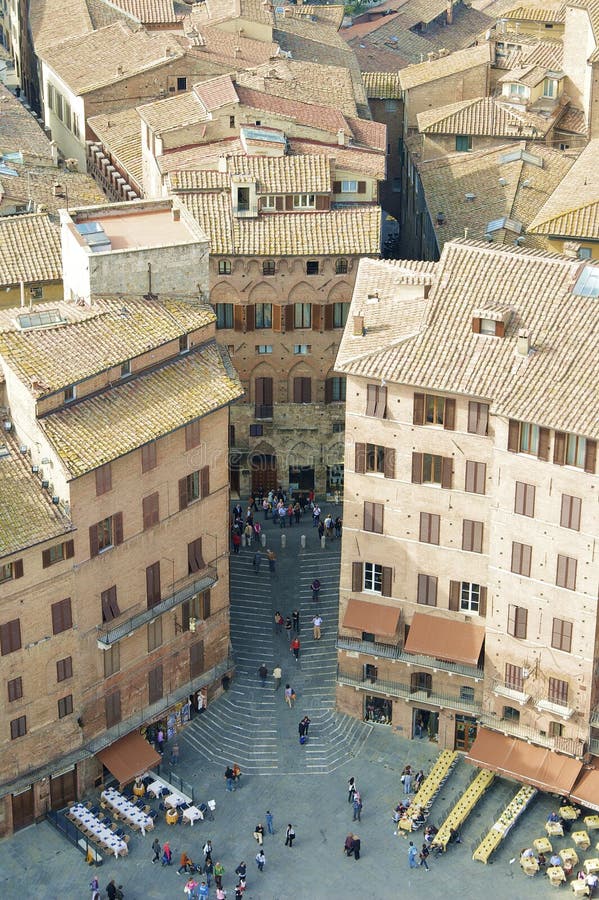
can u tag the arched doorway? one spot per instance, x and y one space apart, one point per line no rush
263 467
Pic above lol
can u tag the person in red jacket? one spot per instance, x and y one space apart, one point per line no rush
295 646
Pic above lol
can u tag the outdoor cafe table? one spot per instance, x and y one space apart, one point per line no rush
530 865
542 845
591 865
505 823
174 800
556 874
569 856
581 839
580 888
156 788
127 810
569 813
192 814
554 829
591 821
101 833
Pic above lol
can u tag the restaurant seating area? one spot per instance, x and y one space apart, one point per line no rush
504 824
462 809
417 813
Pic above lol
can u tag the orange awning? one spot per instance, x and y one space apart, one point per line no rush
372 617
586 790
514 758
443 638
129 757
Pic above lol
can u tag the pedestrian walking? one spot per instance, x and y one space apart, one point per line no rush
295 617
94 886
270 822
289 835
156 850
295 647
190 889
257 561
272 558
160 741
412 855
279 622
236 540
219 871
316 625
203 890
418 779
282 515
315 588
185 863
315 515
260 859
357 846
424 853
208 870
241 872
351 789
236 773
175 754
348 846
302 731
277 675
406 780
167 854
221 893
259 833
357 806
248 531
229 776
289 696
288 628
297 511
207 849
305 725
263 673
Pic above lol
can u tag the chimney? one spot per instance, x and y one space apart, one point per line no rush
341 137
222 164
358 326
523 342
571 248
449 12
237 52
176 212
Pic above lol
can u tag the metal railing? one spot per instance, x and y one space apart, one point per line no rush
76 837
570 746
394 651
109 636
184 787
510 693
410 694
372 648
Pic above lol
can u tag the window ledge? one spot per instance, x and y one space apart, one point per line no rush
556 709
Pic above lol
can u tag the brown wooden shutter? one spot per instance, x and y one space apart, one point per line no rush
381 403
153 584
17 568
387 581
446 472
566 642
297 390
328 390
185 615
482 602
526 558
69 549
250 318
357 576
117 526
449 415
361 187
371 395
195 559
368 516
192 434
513 436
238 317
521 622
94 547
150 510
379 512
570 512
277 318
417 468
183 498
499 329
322 201
289 201
103 479
467 534
289 317
205 481
148 456
279 202
205 609
360 458
46 559
559 448
196 659
476 325
336 187
328 317
418 412
389 467
454 595
470 479
317 317
590 456
543 443
421 594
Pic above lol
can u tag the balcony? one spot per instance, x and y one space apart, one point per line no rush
555 709
109 636
409 694
594 720
594 746
263 411
394 651
503 690
570 746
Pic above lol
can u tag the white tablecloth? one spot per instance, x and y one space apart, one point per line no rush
155 788
127 810
104 835
174 800
192 814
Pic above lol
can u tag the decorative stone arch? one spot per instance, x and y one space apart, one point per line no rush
262 293
301 455
341 292
302 292
334 454
223 292
264 448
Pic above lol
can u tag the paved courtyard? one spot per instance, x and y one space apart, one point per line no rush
251 725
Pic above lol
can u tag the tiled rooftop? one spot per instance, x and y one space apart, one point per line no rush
355 159
149 12
29 249
173 112
485 116
556 385
94 338
572 210
452 64
544 13
20 132
312 114
37 184
305 81
120 133
117 421
276 175
53 21
231 50
216 92
221 10
27 515
382 85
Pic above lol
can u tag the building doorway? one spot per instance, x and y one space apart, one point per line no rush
301 478
465 732
378 710
22 809
425 724
63 789
264 472
335 479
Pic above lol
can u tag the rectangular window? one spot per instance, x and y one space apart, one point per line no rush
466 693
376 401
268 267
517 621
340 312
184 343
476 476
62 617
570 512
431 469
263 315
110 606
224 267
302 315
153 591
349 187
341 268
472 536
430 525
375 458
65 706
335 389
373 517
126 368
558 691
150 510
196 659
269 201
224 315
106 534
301 349
256 430
427 590
302 390
524 502
5 572
57 553
514 677
155 685
373 578
556 729
561 635
112 660
338 427
15 689
463 143
18 727
529 438
430 409
566 572
195 560
103 479
524 437
181 83
575 450
469 596
112 708
64 668
148 457
264 398
478 417
304 201
312 267
10 636
521 559
263 349
192 435
154 634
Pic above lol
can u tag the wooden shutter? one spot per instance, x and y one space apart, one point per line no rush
110 606
297 390
46 559
454 595
205 481
289 201
155 684
381 403
513 436
357 576
153 584
368 516
69 549
328 390
192 434
250 318
194 556
421 592
238 317
389 464
112 705
418 411
590 456
277 319
559 448
543 443
521 622
446 472
477 537
379 512
476 324
10 636
470 479
17 568
387 581
417 468
478 417
148 456
361 187
525 559
328 317
322 201
371 395
62 618
317 317
205 608
467 530
196 659
94 547
449 414
570 513
566 572
279 202
499 329
103 479
360 459
117 528
150 510
183 496
289 316
15 689
482 602
185 615
336 187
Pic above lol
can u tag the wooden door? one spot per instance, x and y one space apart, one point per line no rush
63 789
22 809
264 473
465 732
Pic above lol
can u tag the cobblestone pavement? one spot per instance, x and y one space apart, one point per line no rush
250 724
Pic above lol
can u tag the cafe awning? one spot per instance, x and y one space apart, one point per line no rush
129 757
517 759
372 617
446 639
586 790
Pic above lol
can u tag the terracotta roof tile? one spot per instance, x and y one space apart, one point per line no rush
542 13
216 92
232 50
149 12
30 250
221 10
307 82
453 63
485 116
120 133
572 210
304 113
382 85
54 21
356 159
19 131
173 112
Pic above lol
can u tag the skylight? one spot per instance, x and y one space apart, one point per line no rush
41 319
588 282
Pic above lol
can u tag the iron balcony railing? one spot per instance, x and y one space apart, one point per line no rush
570 746
109 636
411 694
394 651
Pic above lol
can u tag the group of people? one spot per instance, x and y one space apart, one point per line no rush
232 777
195 888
